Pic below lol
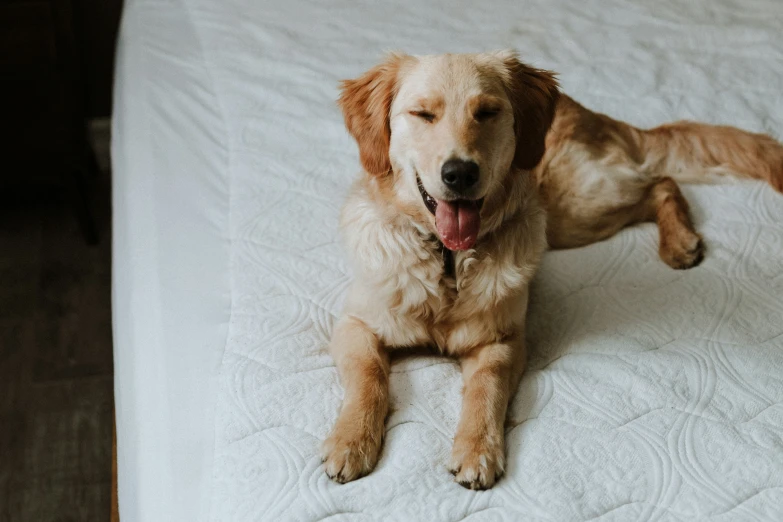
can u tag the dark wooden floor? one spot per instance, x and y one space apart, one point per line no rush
55 362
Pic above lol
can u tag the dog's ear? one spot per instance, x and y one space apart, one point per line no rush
366 102
533 94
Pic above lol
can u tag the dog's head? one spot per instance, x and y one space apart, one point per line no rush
444 132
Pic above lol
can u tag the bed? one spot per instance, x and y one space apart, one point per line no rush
652 394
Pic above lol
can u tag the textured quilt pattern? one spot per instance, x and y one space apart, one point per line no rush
652 394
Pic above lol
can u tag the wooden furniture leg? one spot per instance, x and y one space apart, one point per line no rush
115 511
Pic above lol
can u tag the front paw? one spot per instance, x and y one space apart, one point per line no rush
350 453
477 462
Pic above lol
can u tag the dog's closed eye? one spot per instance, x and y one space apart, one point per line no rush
424 115
485 107
486 113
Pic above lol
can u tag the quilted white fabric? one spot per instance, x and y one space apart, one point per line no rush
652 394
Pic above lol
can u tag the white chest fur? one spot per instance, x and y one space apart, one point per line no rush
402 293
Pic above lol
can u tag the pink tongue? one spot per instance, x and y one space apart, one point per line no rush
457 223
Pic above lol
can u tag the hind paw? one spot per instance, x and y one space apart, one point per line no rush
683 251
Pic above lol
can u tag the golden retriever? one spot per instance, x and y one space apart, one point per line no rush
473 164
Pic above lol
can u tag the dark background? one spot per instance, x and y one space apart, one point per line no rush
56 379
101 19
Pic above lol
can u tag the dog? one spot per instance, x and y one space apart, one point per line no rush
474 164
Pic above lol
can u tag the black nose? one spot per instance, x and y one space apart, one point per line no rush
459 175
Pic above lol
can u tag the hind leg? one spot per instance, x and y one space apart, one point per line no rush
680 245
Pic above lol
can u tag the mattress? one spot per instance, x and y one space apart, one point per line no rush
652 394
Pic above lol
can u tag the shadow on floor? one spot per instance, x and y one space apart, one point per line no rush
56 394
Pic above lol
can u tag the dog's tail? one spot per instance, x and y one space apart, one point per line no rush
699 153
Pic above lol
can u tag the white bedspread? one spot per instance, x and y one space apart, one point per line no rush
652 394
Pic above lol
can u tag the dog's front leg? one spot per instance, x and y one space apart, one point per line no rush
352 448
491 374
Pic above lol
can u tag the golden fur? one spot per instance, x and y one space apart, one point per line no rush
551 173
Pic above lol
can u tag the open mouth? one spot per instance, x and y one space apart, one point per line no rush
457 221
